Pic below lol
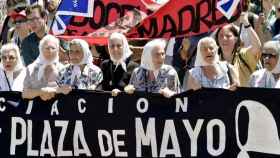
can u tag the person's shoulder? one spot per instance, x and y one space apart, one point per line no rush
259 72
170 69
29 38
105 63
93 67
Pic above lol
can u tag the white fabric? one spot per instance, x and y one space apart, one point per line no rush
199 61
276 69
126 50
263 78
87 59
19 66
42 62
15 83
170 47
146 58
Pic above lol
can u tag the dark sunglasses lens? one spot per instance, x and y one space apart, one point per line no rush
268 56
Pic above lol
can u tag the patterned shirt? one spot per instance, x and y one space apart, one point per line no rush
91 75
167 77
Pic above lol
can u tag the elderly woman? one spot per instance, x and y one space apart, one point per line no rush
42 75
12 71
209 71
269 76
81 73
244 59
117 70
153 75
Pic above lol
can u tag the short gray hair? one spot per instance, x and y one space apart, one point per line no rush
273 45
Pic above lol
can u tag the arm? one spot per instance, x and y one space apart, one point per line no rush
262 31
255 47
235 77
31 93
192 83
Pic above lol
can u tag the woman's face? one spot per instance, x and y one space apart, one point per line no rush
9 59
158 56
226 39
76 54
116 48
50 50
208 51
270 58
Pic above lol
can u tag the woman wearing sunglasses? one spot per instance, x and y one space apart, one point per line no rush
268 77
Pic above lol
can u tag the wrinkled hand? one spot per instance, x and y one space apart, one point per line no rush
166 92
64 89
47 93
115 92
233 87
129 89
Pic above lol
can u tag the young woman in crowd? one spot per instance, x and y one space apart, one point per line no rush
269 76
12 71
244 59
117 70
81 73
153 75
42 75
209 71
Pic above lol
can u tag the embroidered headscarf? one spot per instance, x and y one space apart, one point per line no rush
146 58
126 52
87 58
41 60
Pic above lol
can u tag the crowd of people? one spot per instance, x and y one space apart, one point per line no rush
241 54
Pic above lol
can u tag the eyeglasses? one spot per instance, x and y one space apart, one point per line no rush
33 19
268 55
11 58
19 22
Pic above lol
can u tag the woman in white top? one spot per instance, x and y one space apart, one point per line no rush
12 71
209 71
269 76
42 75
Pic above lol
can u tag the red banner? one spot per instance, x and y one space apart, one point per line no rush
175 18
182 18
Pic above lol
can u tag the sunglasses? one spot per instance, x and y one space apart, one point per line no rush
269 56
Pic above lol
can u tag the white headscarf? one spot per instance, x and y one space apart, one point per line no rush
146 58
276 70
87 58
19 66
41 60
199 61
126 50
